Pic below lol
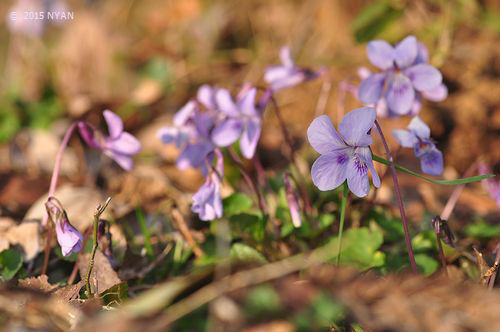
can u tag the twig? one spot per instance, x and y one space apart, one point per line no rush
97 215
46 253
399 198
130 274
323 97
186 233
496 265
240 280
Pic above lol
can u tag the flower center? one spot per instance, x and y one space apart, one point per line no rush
361 167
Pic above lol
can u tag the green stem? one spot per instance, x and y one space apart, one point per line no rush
145 232
343 204
100 209
445 182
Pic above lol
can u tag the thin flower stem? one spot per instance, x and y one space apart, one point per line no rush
52 189
455 182
261 174
46 253
293 156
99 211
399 198
260 199
57 165
284 130
343 204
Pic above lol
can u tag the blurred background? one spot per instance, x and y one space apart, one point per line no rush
145 59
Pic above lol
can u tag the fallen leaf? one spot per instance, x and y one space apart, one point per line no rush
42 150
26 235
103 276
79 202
40 283
69 292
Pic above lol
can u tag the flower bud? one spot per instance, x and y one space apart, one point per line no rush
293 204
88 135
69 238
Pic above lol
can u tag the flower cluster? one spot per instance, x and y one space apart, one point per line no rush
405 79
215 119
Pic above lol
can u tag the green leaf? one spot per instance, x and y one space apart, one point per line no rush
373 19
261 300
236 203
243 253
115 295
445 182
44 112
359 248
426 264
390 226
9 123
425 240
482 229
145 232
245 224
11 261
326 220
327 311
158 69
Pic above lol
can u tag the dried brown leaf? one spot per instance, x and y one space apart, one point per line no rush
103 276
79 203
40 283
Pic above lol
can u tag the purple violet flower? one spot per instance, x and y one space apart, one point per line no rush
492 186
191 130
344 154
120 145
69 238
417 136
207 202
288 74
293 201
405 74
242 121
